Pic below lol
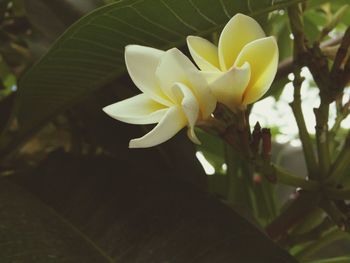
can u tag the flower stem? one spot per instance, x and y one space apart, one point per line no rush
324 160
293 214
297 25
334 213
338 194
341 163
303 133
282 176
329 238
310 236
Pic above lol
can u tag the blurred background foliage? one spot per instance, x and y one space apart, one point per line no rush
70 188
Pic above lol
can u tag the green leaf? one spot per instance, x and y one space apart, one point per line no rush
315 3
344 259
311 30
32 232
50 17
140 211
90 53
213 150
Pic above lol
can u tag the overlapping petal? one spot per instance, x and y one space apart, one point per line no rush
190 108
204 53
175 67
237 33
139 109
262 56
175 95
141 63
229 87
242 42
171 123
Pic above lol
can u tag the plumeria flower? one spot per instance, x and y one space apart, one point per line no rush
241 69
175 95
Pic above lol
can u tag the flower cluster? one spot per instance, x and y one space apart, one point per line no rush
177 94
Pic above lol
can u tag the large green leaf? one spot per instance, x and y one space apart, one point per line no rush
32 232
90 53
141 213
52 17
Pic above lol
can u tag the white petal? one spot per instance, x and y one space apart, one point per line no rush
172 122
230 86
139 109
190 108
211 76
262 55
205 98
238 32
204 53
141 63
176 67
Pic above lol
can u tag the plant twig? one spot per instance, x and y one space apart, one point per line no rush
326 240
343 112
337 216
342 51
338 194
312 235
341 163
286 66
296 22
293 214
303 133
284 177
324 160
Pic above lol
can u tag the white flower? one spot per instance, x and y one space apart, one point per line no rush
241 69
175 95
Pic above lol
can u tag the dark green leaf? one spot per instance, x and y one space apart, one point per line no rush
54 16
137 211
344 259
33 233
312 32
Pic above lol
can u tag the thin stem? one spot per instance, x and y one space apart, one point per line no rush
324 160
341 163
303 133
338 194
338 75
286 66
297 26
342 51
334 213
284 177
329 238
314 217
312 235
342 114
293 214
291 180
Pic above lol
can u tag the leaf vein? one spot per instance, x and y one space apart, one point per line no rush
178 17
84 52
120 33
225 9
98 44
202 14
156 23
139 29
